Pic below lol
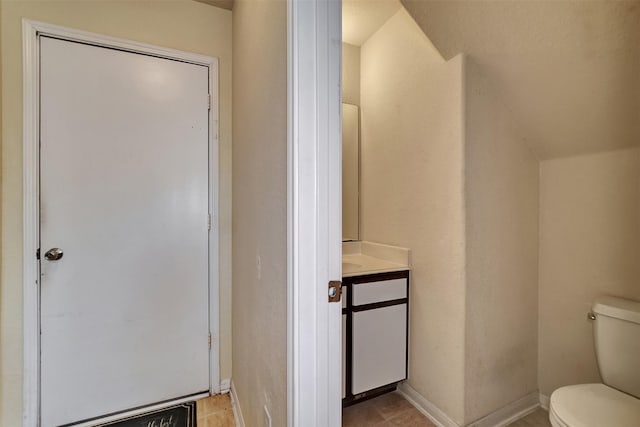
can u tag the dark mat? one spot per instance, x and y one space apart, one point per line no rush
183 415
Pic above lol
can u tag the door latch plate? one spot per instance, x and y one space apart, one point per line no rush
335 291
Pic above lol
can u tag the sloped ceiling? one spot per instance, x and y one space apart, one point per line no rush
362 18
224 4
568 70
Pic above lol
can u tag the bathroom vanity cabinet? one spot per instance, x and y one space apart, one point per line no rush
375 318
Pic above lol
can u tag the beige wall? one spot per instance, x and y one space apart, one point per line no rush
2 370
350 74
589 246
178 24
259 209
501 198
412 182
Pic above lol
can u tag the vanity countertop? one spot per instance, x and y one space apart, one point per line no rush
360 258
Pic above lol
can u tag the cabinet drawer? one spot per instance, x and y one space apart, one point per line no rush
385 290
379 347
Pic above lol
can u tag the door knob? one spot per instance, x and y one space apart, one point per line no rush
54 254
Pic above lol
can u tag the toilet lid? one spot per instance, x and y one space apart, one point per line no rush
595 405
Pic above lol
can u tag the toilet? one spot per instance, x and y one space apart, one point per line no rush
615 402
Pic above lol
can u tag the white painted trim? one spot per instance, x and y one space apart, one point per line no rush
291 305
31 225
431 411
544 401
502 417
225 386
510 413
214 232
314 225
235 405
31 30
43 28
135 412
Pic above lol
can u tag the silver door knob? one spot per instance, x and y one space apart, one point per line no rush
54 254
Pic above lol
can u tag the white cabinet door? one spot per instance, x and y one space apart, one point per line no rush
379 347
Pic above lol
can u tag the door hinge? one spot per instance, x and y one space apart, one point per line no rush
335 291
208 221
209 340
38 253
209 101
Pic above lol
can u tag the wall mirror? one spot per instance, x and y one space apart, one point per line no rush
350 172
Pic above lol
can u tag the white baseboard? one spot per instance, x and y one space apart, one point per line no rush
225 386
510 413
235 404
500 418
431 411
544 401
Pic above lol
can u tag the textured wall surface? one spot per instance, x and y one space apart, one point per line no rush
178 24
501 199
589 246
412 183
260 209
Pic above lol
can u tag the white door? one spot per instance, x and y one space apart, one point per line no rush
124 196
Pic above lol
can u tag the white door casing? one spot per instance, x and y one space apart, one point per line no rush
201 198
314 212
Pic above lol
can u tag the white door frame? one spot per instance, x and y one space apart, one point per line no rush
314 188
31 30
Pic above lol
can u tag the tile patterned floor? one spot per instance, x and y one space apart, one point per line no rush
384 411
215 411
393 410
390 409
538 418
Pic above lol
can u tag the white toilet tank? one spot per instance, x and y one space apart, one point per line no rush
617 338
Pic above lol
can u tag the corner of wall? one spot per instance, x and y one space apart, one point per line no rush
501 237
